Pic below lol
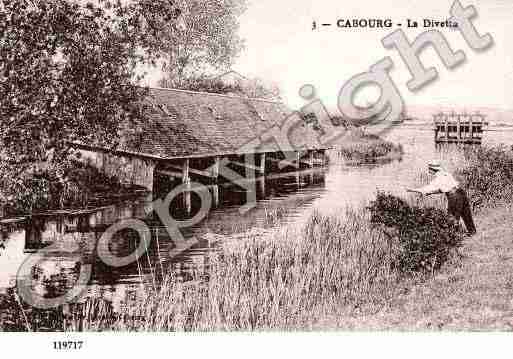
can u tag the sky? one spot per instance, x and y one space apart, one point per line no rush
282 47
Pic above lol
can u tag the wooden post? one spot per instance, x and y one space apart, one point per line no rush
471 129
459 128
462 127
215 195
324 159
262 164
447 128
311 158
261 184
92 220
187 181
298 159
482 127
435 121
215 169
215 179
312 165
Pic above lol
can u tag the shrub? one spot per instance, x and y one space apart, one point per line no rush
426 236
489 176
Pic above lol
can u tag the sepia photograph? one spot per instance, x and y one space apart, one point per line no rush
284 166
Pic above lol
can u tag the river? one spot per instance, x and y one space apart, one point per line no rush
283 201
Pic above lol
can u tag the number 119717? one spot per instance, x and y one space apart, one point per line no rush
67 345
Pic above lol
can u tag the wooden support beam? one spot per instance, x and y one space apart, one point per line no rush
311 158
215 195
437 127
187 181
276 160
290 163
191 170
170 173
471 127
262 163
261 185
324 160
215 168
241 164
447 127
459 128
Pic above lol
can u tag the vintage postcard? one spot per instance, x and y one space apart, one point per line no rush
255 166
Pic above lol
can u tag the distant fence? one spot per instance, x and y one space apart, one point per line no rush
459 127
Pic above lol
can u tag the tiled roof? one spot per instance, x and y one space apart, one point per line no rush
185 123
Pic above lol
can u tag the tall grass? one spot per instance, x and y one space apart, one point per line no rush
282 280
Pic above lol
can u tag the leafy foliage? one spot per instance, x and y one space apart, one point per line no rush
67 72
489 177
206 39
252 88
205 84
71 184
426 236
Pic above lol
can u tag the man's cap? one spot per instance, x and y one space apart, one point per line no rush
435 166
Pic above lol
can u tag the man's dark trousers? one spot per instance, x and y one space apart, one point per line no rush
459 207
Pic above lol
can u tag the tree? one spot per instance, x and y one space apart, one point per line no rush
243 87
207 40
68 73
258 88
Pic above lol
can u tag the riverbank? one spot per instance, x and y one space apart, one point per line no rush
474 293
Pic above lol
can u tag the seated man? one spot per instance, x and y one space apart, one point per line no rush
457 199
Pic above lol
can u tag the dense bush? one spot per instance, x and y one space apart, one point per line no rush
426 236
489 176
72 184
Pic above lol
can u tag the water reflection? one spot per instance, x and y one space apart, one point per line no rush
57 271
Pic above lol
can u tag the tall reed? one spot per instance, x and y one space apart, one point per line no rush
278 280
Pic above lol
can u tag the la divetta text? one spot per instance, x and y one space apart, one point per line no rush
371 23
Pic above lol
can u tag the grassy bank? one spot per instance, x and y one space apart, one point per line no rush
359 147
473 293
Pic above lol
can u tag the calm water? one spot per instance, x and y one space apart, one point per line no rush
296 196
